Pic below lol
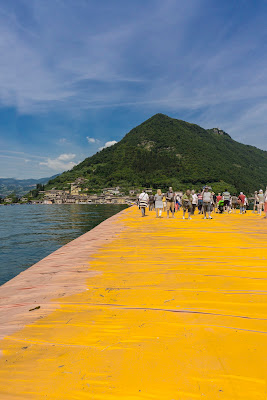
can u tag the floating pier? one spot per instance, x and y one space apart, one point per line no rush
141 308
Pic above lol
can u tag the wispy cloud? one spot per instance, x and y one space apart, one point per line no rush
93 68
125 62
61 163
63 141
92 140
19 155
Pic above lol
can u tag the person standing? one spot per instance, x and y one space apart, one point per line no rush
187 199
143 200
226 198
207 201
194 201
170 197
242 199
158 203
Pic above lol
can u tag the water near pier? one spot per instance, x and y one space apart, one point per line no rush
29 233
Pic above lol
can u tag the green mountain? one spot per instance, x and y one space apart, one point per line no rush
164 151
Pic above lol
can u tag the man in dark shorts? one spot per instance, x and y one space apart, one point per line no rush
234 201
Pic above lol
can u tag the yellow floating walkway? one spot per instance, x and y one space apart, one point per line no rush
178 311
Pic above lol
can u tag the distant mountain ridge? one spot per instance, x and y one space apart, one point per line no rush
20 186
164 151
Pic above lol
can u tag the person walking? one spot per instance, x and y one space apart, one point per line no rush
214 201
261 198
170 197
207 201
194 202
151 202
158 203
242 199
234 202
187 199
218 199
200 202
226 198
256 202
178 202
143 201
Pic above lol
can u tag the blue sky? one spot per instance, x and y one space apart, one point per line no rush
76 75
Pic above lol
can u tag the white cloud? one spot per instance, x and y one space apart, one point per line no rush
107 144
100 63
66 157
92 140
61 163
63 141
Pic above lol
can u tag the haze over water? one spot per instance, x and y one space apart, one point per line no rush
29 233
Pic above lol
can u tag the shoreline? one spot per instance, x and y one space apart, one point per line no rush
68 204
29 295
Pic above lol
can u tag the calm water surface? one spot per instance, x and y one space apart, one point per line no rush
29 233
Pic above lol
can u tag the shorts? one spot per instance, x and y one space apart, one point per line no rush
265 206
234 205
227 203
206 207
187 206
170 206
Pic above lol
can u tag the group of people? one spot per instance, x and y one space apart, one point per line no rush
205 201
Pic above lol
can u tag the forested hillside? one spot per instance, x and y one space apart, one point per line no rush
20 186
164 151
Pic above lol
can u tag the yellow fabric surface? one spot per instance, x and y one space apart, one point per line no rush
177 311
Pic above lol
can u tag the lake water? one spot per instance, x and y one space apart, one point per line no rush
29 233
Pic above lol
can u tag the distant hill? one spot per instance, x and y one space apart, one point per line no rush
20 186
164 151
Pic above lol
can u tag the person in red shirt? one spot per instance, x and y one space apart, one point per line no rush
218 198
241 199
